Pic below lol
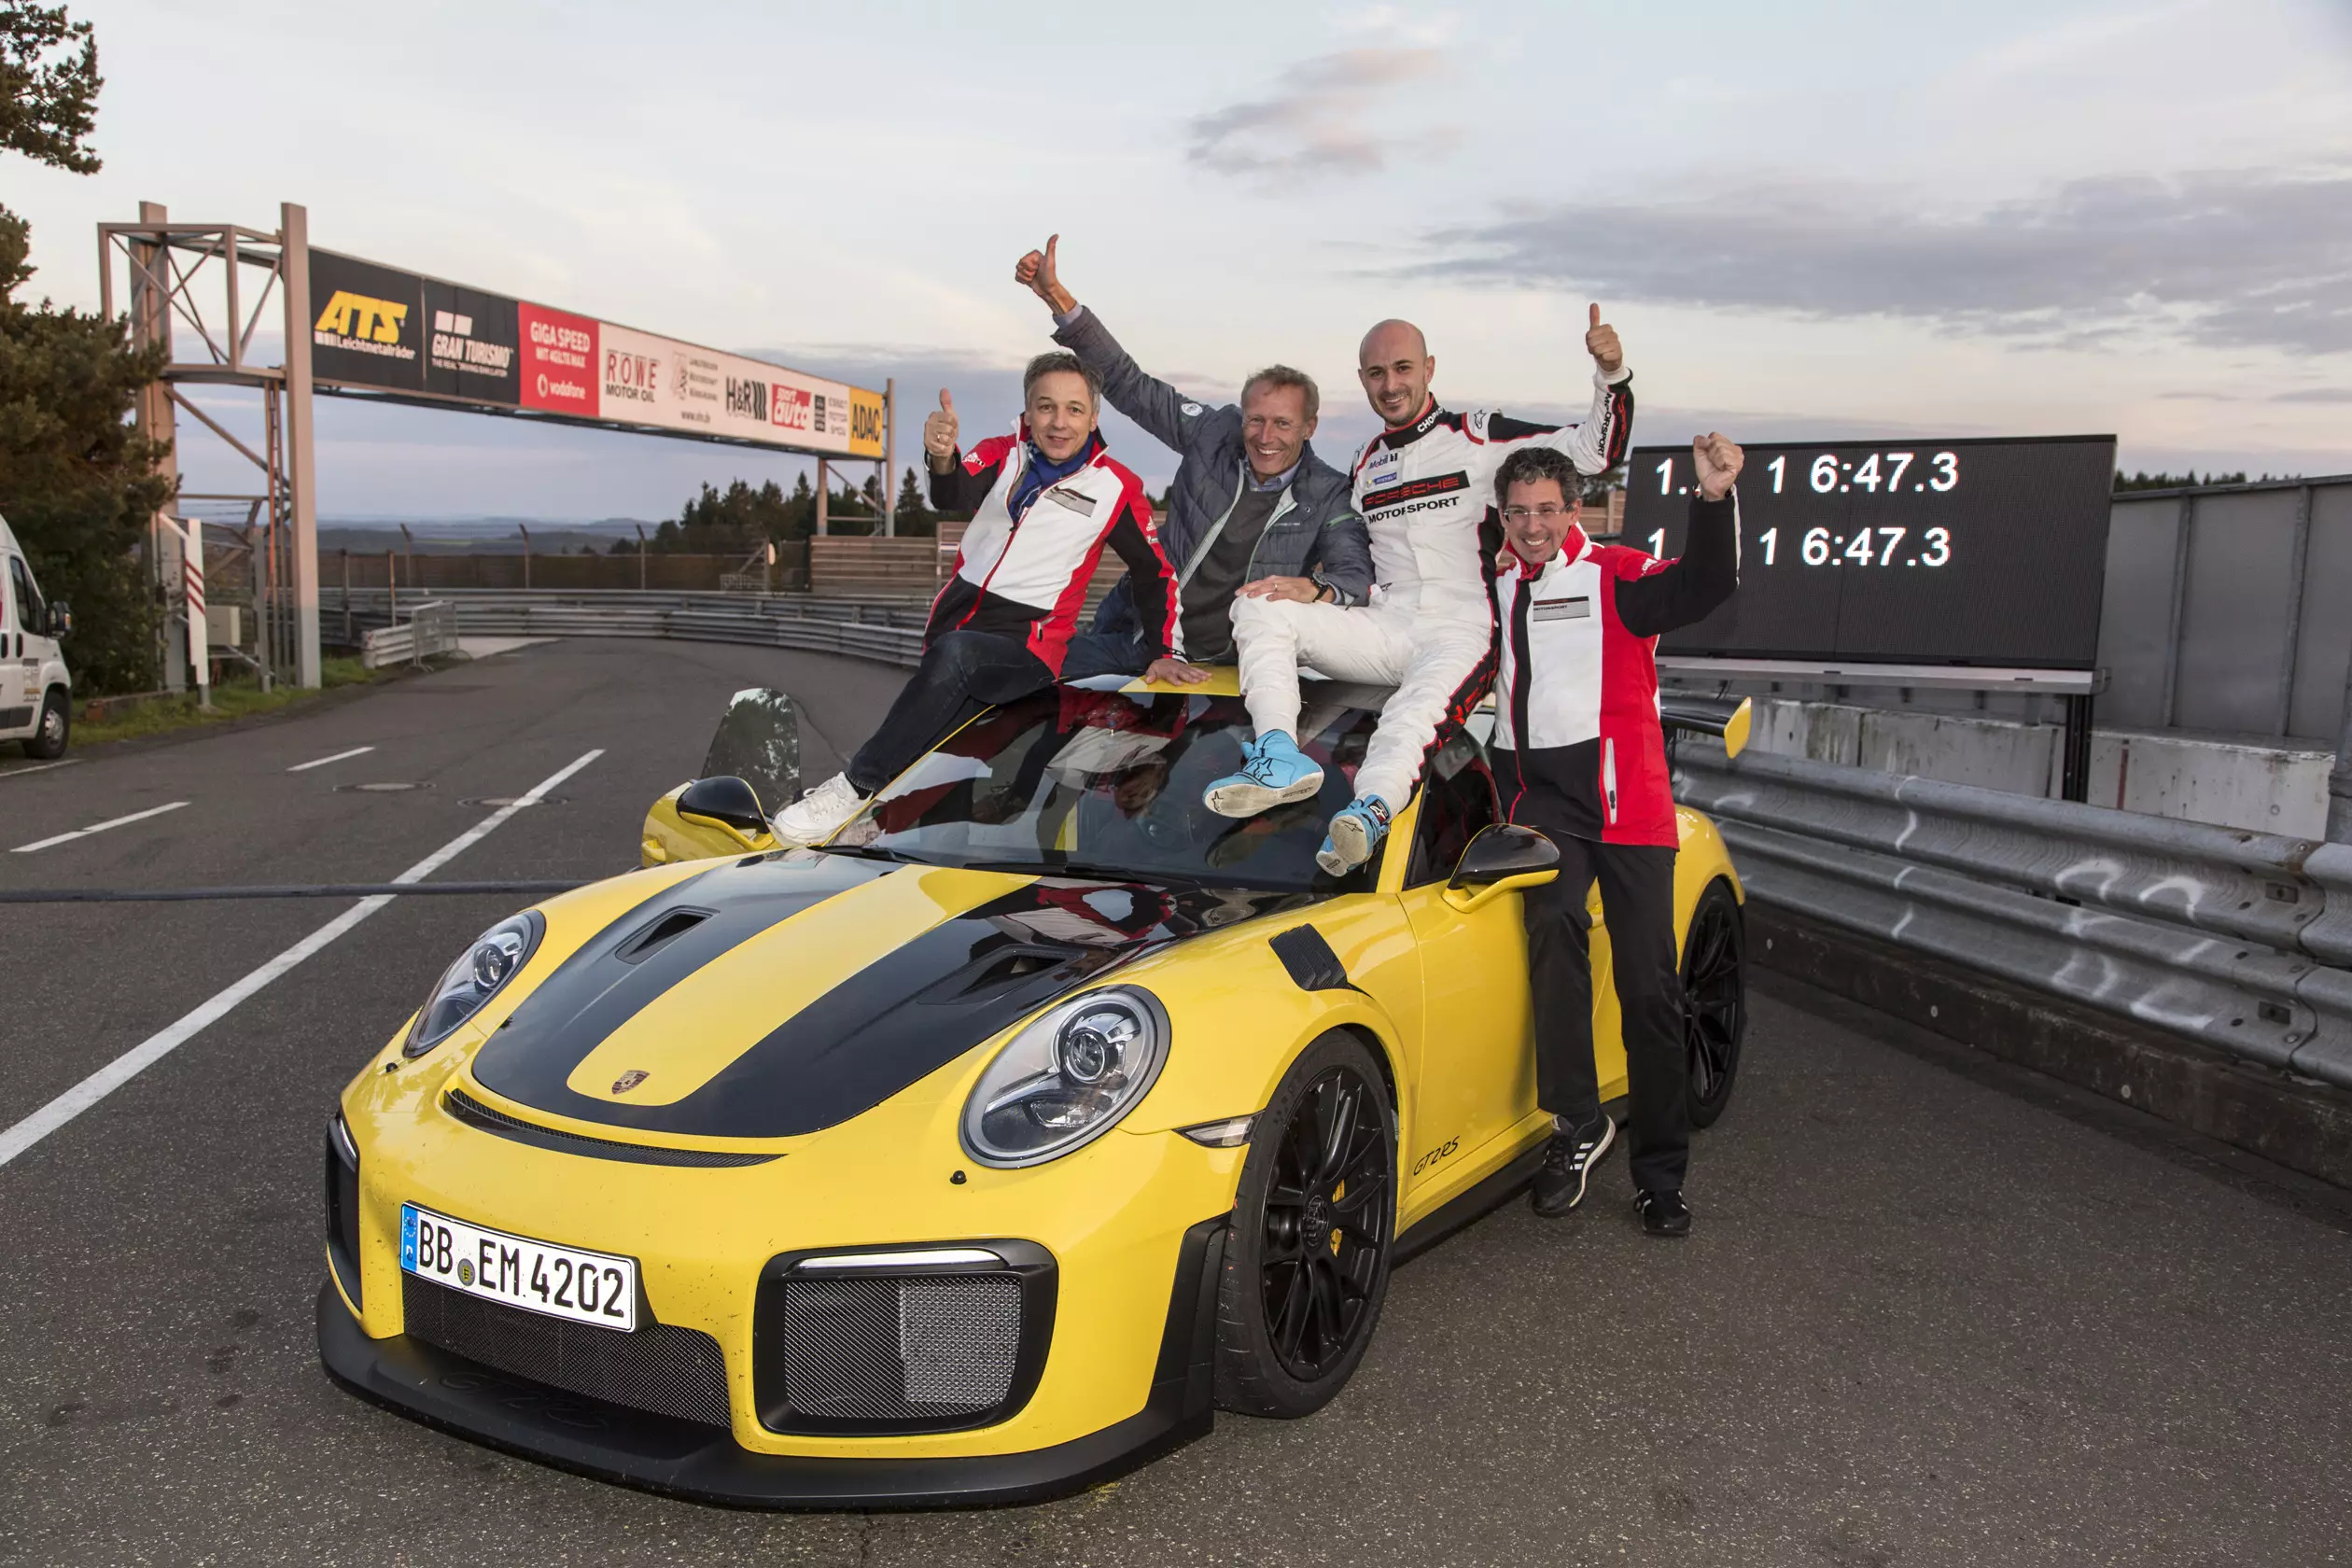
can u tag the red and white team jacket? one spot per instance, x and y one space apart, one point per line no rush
1025 575
1577 747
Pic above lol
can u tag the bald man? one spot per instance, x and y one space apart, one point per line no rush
1425 487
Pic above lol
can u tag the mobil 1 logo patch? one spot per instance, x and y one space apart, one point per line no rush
1564 609
1385 470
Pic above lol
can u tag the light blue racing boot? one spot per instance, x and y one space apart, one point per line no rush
1355 833
1274 772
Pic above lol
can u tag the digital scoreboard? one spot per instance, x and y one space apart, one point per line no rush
1981 552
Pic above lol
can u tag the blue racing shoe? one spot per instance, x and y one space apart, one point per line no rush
1355 833
1274 772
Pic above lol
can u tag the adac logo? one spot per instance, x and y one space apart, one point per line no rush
630 1079
355 315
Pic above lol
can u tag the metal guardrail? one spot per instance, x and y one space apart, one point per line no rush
2240 939
886 630
430 629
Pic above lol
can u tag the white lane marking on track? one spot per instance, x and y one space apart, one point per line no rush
95 828
338 757
129 1065
40 767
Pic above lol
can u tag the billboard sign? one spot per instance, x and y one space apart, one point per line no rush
382 329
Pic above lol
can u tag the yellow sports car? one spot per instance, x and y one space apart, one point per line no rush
983 1152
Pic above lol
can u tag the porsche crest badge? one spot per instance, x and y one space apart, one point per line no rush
629 1080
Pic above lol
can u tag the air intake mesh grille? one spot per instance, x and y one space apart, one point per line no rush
669 1370
941 1347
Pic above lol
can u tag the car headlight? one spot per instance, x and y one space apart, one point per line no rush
492 960
1067 1078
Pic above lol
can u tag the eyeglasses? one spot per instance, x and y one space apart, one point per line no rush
1547 512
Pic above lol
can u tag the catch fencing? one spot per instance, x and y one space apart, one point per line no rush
2242 941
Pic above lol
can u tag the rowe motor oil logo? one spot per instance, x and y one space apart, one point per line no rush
363 326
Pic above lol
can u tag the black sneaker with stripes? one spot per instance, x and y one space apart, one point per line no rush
1568 1162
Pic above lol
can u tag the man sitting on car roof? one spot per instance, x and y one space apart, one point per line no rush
1046 503
1253 512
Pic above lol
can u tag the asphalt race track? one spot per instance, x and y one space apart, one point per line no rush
1934 1312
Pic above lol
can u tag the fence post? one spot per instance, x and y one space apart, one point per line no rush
392 584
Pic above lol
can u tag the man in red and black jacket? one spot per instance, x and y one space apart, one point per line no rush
1046 503
1579 754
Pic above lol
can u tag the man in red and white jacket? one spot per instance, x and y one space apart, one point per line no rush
1046 503
1579 754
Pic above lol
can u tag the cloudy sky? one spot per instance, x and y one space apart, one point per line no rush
1806 219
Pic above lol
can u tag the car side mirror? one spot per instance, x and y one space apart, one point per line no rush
61 619
759 742
1500 859
725 800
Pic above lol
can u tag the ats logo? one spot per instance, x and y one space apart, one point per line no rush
356 322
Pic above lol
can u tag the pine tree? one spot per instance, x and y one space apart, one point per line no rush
915 517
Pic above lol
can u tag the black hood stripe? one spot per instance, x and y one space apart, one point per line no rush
889 1025
598 989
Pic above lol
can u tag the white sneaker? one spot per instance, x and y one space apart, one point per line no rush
818 815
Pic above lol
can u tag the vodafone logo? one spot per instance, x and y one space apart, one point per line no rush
559 360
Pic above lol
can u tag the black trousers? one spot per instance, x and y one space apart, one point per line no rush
1637 901
961 673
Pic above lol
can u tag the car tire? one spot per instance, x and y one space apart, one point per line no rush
49 738
1715 1000
1307 1266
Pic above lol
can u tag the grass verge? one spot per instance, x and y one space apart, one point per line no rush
240 699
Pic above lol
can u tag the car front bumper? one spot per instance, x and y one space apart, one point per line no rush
703 1463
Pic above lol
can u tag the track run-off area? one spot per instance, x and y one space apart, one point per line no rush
1936 1310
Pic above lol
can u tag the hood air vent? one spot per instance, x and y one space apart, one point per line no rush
673 924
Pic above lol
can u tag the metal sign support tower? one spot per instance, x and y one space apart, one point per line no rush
165 264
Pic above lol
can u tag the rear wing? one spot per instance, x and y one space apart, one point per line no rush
1725 717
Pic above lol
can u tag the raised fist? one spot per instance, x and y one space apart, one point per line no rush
939 432
1718 462
1037 273
1600 342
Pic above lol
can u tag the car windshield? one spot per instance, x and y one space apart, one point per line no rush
1109 783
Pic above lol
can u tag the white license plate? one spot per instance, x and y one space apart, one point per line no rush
538 1276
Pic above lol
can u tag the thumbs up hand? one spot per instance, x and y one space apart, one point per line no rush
1038 273
1600 342
939 433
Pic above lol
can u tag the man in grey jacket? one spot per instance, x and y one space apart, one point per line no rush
1253 510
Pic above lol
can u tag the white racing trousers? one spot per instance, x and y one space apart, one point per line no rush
1440 665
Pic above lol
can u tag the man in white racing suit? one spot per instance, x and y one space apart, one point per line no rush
1425 488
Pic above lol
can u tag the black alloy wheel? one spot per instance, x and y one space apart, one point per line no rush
1314 1223
1715 1000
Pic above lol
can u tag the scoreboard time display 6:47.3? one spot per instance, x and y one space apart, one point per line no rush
1981 552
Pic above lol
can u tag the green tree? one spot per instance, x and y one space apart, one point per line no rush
51 102
914 516
77 484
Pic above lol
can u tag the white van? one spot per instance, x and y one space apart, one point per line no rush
36 704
